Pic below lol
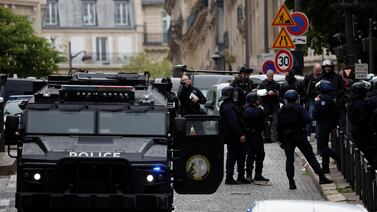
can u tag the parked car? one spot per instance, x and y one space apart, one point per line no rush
212 106
303 206
205 81
280 78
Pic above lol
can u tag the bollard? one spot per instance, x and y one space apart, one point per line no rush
375 190
342 148
357 172
368 186
363 184
352 164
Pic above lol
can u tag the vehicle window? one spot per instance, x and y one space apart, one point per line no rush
132 123
11 108
195 128
211 96
60 122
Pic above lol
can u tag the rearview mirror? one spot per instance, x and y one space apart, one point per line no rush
209 105
11 128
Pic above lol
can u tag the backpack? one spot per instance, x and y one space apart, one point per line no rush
289 122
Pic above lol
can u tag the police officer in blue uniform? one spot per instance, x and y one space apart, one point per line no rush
326 115
255 123
358 115
232 132
292 121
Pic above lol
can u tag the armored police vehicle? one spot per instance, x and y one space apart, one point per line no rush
104 142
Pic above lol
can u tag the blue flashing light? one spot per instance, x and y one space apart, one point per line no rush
157 169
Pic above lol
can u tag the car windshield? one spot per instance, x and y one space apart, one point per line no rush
60 122
12 108
132 123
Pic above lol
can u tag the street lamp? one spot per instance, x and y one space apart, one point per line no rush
217 58
71 57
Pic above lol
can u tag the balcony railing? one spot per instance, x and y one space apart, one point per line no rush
105 58
155 39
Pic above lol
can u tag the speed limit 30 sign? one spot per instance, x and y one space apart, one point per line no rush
283 61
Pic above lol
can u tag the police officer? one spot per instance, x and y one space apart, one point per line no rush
326 116
173 101
232 132
372 111
358 115
242 86
292 120
255 122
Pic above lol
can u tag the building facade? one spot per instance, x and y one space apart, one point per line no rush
110 31
224 34
32 9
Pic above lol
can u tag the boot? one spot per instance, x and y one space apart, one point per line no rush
259 177
324 180
242 180
292 185
231 181
249 178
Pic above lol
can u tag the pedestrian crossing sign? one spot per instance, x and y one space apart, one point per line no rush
283 18
283 41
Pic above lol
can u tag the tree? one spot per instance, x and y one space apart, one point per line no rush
327 18
142 63
21 51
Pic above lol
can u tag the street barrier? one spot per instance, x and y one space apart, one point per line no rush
356 169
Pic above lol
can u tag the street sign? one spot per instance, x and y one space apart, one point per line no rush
301 24
268 65
283 41
361 70
299 40
283 18
283 61
268 56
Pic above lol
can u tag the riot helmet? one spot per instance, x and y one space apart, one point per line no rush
373 82
325 86
291 96
227 93
370 77
245 69
359 89
251 98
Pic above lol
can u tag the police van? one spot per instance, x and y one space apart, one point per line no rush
104 142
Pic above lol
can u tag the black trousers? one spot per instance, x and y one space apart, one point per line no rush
305 147
255 153
235 154
324 131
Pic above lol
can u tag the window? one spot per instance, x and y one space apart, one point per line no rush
89 13
165 26
101 47
122 13
51 17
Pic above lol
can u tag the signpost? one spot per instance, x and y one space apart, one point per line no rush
268 65
301 24
361 70
283 61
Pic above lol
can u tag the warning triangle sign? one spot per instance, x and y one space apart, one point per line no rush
283 41
283 18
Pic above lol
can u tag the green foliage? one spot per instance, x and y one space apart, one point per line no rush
326 18
21 51
142 63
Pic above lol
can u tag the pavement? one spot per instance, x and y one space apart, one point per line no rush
340 190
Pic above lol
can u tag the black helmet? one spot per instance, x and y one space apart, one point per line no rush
245 69
360 88
291 95
325 86
251 98
373 82
226 93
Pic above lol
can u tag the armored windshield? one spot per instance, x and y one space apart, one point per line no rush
133 123
60 122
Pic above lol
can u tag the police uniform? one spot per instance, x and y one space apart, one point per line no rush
254 120
292 121
231 131
326 115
